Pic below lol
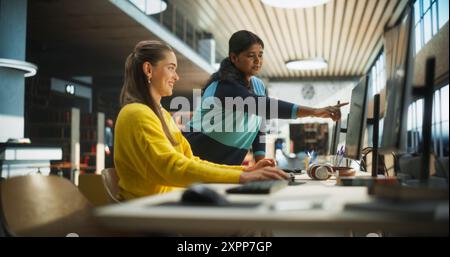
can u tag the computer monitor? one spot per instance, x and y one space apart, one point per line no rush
357 119
309 137
335 137
399 49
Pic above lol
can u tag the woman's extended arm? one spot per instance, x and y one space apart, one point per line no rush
332 112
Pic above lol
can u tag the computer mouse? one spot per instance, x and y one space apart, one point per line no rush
199 194
291 177
292 181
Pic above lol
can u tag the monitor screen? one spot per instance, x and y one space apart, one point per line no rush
357 119
309 137
335 137
399 49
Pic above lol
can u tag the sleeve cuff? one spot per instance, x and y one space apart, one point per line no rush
259 153
241 168
294 111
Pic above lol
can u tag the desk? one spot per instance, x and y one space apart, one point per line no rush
141 215
24 159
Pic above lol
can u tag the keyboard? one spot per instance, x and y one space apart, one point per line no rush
259 187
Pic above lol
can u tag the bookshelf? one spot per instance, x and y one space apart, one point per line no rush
92 136
56 127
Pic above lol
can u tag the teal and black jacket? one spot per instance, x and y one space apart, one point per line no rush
224 135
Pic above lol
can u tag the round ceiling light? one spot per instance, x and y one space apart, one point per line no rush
150 7
155 6
307 64
294 3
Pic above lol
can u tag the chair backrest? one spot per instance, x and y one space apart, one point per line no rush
111 183
45 206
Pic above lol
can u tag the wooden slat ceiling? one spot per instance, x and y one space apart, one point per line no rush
346 33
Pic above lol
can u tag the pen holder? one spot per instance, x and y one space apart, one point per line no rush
320 171
336 160
306 161
344 171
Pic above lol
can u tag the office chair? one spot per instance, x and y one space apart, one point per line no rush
39 205
111 183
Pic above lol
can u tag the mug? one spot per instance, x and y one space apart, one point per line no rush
344 171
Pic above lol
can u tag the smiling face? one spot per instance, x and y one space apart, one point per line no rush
163 75
249 61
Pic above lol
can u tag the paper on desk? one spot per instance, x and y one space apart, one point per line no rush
295 205
309 203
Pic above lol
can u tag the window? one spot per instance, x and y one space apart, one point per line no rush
442 12
430 16
378 74
440 123
415 116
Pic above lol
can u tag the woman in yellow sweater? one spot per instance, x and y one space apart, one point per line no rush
151 154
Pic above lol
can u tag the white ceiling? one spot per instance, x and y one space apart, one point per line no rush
346 33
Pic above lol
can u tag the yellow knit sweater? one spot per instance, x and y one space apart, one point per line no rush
147 163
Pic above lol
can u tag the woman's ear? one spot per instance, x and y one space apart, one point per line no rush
233 58
147 69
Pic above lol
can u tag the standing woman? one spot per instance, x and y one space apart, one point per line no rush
151 154
236 79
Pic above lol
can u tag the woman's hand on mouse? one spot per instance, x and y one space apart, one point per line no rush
265 173
267 162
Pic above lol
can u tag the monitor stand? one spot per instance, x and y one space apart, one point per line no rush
376 128
427 92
